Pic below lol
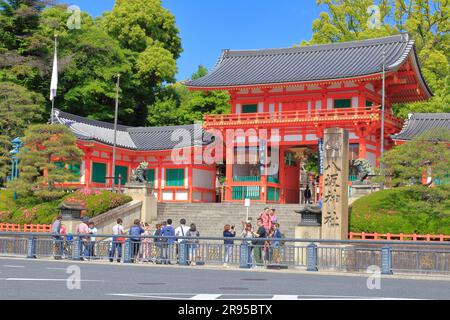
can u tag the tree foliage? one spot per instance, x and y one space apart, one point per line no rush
177 105
427 21
90 58
18 109
44 147
429 153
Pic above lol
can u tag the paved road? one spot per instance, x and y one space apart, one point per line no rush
39 279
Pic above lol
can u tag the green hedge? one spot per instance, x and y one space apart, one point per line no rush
416 209
29 210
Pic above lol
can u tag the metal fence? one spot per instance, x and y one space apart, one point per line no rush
312 255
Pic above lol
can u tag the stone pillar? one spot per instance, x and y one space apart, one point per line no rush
140 192
304 232
335 185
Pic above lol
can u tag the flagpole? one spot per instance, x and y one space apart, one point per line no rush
53 110
53 95
115 133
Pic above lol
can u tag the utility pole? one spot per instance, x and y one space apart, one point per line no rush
115 133
383 102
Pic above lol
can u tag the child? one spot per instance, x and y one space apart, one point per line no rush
146 243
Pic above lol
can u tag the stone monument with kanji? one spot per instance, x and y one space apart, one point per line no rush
335 185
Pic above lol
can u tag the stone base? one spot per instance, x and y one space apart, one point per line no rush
305 232
143 192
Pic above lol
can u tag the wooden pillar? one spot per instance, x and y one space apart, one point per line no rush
362 148
378 151
160 182
266 100
87 168
282 176
362 96
190 182
229 150
110 182
324 97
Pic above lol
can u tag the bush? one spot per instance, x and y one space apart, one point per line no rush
34 210
416 209
98 202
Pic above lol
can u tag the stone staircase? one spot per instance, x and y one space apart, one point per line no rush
211 217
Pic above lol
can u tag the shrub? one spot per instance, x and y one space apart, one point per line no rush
98 202
415 209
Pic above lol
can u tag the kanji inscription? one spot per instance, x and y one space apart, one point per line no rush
335 185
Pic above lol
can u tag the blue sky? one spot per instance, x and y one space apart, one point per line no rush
208 26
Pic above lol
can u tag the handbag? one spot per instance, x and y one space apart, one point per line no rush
120 239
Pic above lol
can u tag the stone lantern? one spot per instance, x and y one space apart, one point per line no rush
311 216
71 211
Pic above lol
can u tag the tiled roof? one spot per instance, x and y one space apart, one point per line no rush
420 123
307 63
151 138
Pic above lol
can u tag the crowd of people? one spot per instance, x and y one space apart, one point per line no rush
163 244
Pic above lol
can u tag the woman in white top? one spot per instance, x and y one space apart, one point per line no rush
117 241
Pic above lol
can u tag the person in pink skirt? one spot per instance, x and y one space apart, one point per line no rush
146 244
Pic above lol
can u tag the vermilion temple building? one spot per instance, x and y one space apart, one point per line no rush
283 100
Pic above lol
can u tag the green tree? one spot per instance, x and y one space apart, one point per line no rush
91 57
18 109
46 147
176 105
405 164
148 32
427 21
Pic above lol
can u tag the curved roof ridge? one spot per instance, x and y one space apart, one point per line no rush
319 47
97 123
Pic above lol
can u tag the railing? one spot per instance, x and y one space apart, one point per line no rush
397 237
309 254
12 227
246 192
296 116
246 179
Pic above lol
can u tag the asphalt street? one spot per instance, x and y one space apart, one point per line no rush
54 280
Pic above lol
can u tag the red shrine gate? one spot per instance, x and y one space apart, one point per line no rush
282 100
294 94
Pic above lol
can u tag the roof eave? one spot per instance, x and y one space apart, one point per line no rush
373 76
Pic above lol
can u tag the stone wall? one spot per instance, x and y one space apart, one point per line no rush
128 213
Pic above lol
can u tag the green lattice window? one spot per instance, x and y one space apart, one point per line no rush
273 179
150 174
273 194
99 172
241 193
369 103
342 103
249 108
123 171
175 177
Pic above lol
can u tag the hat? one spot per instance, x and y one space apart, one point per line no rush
85 219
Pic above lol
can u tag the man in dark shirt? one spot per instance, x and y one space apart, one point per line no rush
259 244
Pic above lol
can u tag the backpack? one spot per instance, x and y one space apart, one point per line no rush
167 231
159 233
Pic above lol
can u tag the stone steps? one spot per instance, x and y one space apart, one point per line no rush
211 217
